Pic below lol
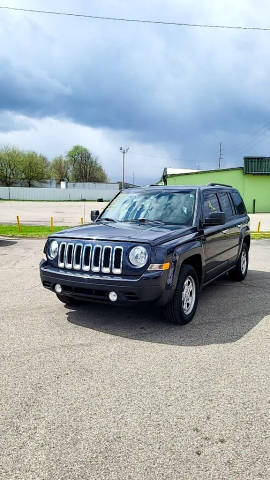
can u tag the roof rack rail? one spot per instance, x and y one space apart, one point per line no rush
218 184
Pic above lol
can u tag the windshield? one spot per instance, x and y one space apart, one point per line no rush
175 208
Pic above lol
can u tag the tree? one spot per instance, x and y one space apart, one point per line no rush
10 165
60 169
85 166
34 167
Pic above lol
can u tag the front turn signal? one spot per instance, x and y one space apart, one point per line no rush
159 266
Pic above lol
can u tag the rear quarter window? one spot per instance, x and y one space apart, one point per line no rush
238 202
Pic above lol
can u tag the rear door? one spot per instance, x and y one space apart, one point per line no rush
213 241
231 230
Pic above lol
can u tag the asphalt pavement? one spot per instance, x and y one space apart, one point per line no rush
101 392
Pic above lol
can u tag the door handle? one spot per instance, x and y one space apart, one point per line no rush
225 231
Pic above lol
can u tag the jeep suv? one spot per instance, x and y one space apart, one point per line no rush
157 244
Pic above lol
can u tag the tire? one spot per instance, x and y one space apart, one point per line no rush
180 310
239 272
67 300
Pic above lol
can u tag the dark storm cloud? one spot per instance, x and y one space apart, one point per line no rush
178 87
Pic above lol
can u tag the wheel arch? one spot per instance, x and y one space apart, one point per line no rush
246 240
196 262
189 255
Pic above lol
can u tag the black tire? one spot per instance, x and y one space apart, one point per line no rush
174 311
67 300
239 272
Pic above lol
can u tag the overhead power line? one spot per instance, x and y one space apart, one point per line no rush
254 138
135 20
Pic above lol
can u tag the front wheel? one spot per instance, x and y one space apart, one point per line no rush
181 309
239 272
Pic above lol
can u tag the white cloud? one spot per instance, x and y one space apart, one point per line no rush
51 137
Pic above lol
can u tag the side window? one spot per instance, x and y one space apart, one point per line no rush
210 204
238 203
225 204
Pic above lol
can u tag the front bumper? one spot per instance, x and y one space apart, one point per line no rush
149 287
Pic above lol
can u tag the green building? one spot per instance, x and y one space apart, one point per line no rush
252 180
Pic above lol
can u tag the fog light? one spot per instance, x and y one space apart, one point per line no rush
113 296
58 288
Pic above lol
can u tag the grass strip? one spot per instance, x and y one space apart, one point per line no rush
259 235
42 231
28 231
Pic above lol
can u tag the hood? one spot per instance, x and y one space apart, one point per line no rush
125 232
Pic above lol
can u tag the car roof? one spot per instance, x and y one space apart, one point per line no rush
178 188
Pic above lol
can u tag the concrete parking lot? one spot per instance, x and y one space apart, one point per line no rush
39 213
100 392
70 213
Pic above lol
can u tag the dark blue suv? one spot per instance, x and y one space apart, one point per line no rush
157 244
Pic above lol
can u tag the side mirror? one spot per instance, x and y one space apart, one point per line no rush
215 218
94 215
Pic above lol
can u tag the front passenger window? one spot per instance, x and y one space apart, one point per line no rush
210 204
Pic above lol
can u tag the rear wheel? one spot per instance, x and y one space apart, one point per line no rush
239 272
181 309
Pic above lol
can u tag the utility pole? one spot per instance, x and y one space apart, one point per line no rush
133 179
220 155
124 151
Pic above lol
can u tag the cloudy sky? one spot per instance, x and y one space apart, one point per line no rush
169 93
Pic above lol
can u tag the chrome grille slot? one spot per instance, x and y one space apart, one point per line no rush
106 259
69 255
117 260
61 255
89 257
96 258
86 258
77 256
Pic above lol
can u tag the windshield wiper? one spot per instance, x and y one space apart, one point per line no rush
145 220
107 219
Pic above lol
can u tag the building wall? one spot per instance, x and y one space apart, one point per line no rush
250 186
257 187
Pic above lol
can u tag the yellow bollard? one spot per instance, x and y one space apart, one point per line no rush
82 220
51 226
18 223
259 227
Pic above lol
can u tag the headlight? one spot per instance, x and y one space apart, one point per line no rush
138 256
53 249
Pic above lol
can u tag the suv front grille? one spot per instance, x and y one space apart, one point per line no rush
88 257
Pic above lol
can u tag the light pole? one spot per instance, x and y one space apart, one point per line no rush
124 151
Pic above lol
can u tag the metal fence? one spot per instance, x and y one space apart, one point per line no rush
92 185
57 194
